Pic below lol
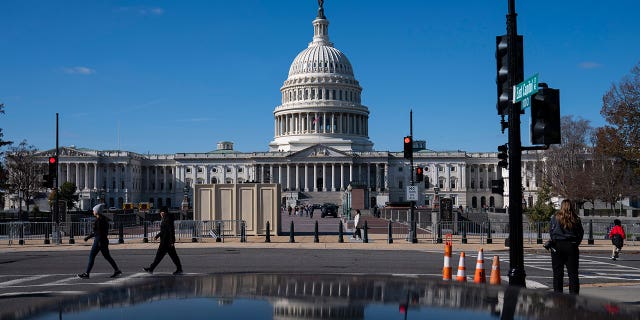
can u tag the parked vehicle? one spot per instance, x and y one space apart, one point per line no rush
329 209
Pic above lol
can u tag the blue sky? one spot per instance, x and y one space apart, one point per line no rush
179 76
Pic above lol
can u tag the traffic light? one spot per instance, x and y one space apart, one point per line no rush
408 147
545 116
53 172
503 156
419 174
497 186
505 92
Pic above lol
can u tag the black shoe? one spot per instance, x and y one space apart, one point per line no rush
116 274
177 272
147 270
83 275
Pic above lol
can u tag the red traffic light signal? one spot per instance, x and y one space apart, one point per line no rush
419 174
408 147
53 170
402 308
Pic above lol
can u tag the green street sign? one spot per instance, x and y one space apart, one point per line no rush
525 88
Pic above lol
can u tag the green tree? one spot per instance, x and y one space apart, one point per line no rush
67 194
543 209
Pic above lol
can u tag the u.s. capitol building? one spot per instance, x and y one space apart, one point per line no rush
320 149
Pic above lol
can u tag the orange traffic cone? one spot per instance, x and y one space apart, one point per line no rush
446 270
480 276
461 277
495 271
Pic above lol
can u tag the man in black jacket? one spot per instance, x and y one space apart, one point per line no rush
167 243
100 237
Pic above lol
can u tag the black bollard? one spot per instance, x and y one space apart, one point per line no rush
539 239
291 236
340 235
194 232
390 233
590 240
243 232
72 240
464 231
219 235
46 234
21 233
120 232
268 237
439 227
489 240
316 239
146 232
365 238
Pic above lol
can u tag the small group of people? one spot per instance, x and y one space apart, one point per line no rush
566 233
301 210
101 243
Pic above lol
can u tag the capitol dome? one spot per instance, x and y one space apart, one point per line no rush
321 100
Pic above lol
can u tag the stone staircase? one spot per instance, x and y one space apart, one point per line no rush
321 197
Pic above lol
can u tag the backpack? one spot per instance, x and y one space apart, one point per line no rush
617 241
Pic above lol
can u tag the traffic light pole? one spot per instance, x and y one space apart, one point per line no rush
56 209
516 250
414 232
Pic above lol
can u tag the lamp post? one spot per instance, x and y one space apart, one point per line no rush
185 200
349 188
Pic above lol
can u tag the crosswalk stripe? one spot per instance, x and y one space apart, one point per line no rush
20 280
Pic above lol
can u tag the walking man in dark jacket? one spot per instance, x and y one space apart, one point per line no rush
167 237
100 237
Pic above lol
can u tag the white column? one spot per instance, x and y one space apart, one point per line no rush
288 176
342 176
324 177
298 178
315 177
86 176
77 177
95 176
350 172
386 176
306 177
333 173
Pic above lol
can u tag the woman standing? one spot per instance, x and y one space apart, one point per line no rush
100 237
167 237
566 233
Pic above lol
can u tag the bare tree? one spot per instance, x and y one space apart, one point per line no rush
24 171
566 164
3 170
621 109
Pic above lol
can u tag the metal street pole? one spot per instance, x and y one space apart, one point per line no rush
414 232
516 250
56 209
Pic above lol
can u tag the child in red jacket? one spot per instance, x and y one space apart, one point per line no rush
617 238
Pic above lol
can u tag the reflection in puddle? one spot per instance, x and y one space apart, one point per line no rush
279 296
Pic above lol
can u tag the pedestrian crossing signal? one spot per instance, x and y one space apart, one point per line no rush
419 174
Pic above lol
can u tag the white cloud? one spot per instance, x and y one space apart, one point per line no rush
589 65
145 11
78 70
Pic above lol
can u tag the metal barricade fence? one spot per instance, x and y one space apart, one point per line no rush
24 232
